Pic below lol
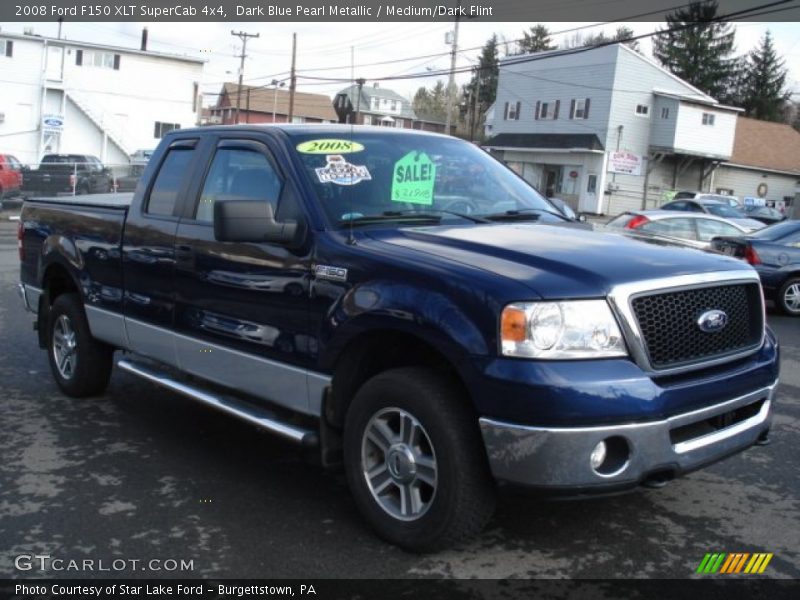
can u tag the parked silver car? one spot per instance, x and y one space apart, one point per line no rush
716 208
676 227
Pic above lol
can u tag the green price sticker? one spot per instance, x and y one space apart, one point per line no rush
413 179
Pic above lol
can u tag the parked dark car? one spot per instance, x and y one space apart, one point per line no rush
716 208
10 176
775 253
68 174
765 214
428 338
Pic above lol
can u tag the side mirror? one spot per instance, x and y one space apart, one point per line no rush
251 221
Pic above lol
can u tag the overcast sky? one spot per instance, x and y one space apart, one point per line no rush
325 45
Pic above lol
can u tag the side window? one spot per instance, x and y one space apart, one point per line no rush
678 228
675 206
708 229
240 174
164 193
694 207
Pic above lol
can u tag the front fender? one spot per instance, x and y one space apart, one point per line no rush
391 305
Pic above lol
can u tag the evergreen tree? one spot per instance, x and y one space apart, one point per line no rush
701 52
432 102
763 94
538 40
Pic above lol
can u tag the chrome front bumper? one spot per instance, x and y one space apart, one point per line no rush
559 458
30 296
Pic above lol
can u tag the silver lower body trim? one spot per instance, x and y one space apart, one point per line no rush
30 296
257 416
560 457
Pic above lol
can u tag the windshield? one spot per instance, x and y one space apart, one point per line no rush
723 210
390 176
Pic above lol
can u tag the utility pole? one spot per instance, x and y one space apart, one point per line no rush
244 36
293 80
360 82
451 82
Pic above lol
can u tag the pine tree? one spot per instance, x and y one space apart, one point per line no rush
700 53
763 94
538 40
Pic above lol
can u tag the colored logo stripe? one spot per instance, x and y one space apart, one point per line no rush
721 562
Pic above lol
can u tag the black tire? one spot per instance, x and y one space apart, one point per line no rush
91 369
464 496
786 295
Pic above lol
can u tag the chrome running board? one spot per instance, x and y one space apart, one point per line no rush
258 416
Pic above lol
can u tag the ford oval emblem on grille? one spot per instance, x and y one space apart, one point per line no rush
712 321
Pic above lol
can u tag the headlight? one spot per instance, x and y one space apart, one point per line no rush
561 330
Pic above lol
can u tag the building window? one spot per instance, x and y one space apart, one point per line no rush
708 119
591 186
642 110
162 129
547 110
512 111
394 105
580 109
6 48
95 58
664 112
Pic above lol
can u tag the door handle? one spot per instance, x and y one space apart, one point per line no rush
184 253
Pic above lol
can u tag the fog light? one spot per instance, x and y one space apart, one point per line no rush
598 455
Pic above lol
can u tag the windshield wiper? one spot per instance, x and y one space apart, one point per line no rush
438 211
522 214
434 215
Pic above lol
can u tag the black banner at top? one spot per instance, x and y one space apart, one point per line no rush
379 10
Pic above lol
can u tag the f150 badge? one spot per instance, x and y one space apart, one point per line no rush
331 273
712 321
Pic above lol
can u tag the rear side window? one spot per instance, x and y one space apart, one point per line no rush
708 229
164 194
238 174
677 228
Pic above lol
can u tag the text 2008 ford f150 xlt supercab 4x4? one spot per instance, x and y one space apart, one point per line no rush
407 305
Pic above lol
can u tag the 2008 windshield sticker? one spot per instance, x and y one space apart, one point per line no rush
413 179
339 171
329 147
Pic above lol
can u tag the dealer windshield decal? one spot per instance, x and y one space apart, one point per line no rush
339 171
413 179
329 147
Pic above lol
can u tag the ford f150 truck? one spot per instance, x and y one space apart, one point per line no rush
431 334
69 174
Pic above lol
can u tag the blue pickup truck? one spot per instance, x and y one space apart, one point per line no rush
405 306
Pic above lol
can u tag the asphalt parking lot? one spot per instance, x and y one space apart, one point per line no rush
141 473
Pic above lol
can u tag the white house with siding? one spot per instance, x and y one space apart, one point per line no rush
607 129
109 101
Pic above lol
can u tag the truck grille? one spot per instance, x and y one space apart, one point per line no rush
672 337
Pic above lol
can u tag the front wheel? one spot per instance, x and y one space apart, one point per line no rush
415 460
80 364
788 299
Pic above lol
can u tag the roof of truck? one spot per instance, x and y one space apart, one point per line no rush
335 129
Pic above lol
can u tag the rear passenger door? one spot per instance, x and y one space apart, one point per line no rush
242 308
149 253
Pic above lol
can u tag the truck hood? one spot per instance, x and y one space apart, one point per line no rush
555 261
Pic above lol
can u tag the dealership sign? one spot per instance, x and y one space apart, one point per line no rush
52 124
624 162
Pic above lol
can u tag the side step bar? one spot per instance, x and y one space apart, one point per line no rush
260 417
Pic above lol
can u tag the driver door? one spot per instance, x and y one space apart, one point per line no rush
241 315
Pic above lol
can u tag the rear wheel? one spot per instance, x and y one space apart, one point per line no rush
788 299
415 460
80 364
